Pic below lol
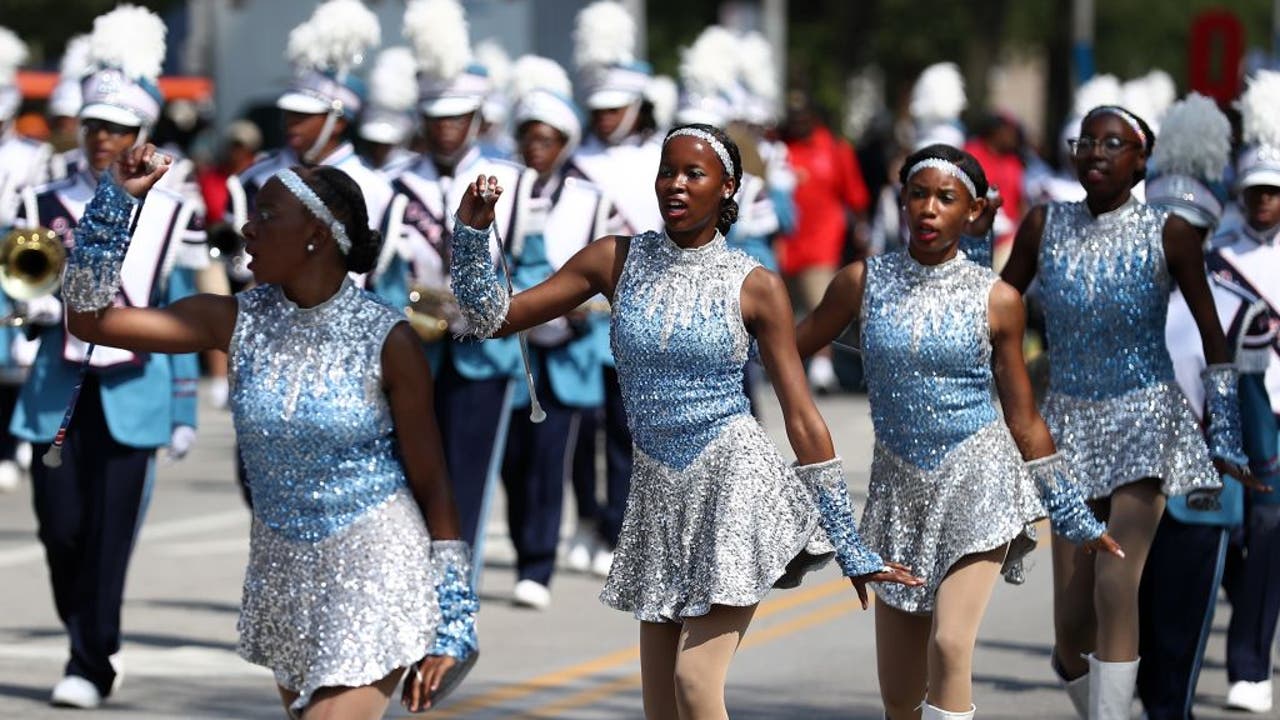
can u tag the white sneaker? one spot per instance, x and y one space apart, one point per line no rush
10 476
531 594
1254 697
77 692
22 455
117 664
601 563
578 557
822 375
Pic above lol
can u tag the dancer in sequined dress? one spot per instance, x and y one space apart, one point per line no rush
953 485
715 515
331 398
1106 266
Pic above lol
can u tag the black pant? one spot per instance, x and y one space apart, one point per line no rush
533 474
8 401
608 518
471 416
1175 612
88 511
1252 583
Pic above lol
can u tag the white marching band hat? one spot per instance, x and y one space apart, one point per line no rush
543 93
610 76
66 98
393 93
1259 163
937 99
450 81
13 52
1190 160
325 51
126 51
709 79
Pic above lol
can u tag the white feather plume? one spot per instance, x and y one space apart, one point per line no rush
336 37
604 33
440 36
756 66
13 52
533 72
1259 107
662 93
1097 90
1195 139
1136 96
75 61
496 62
938 95
392 84
1162 89
131 39
708 66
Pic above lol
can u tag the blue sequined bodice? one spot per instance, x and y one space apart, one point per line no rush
311 417
680 344
1105 287
926 348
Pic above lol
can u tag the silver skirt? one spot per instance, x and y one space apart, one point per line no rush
719 532
344 611
979 498
1145 433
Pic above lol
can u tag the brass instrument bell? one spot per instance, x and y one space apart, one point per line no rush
31 262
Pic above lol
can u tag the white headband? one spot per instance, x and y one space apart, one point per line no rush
1129 119
709 139
947 167
308 197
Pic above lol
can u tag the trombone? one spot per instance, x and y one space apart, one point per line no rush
31 263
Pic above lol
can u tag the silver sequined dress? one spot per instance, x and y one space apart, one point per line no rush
947 479
339 587
1113 405
714 514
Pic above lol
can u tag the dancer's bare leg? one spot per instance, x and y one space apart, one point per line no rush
367 702
957 613
902 651
1135 514
659 643
707 645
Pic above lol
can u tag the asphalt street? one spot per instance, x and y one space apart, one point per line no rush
808 654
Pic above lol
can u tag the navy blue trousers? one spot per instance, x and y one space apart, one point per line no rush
1252 583
472 414
88 511
607 517
533 473
1175 613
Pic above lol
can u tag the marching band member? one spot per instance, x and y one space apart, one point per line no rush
131 403
23 162
495 138
64 109
473 379
564 214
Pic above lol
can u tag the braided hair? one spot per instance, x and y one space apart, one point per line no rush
728 206
344 199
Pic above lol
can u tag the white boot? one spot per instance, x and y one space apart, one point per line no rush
1111 686
1077 690
929 712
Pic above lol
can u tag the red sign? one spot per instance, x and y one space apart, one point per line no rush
1215 53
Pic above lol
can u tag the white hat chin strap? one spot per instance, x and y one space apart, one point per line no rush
628 124
312 155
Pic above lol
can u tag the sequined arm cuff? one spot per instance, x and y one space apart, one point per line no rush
1222 410
835 513
92 277
1069 516
482 299
456 636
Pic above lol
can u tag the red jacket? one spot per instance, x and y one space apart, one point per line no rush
828 181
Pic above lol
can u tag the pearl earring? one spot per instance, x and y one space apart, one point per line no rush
311 247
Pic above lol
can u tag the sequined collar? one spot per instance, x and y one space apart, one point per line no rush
315 313
1111 216
693 255
946 268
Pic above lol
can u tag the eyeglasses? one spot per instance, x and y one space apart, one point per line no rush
1112 145
92 126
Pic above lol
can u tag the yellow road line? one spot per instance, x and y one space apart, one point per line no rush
565 676
595 694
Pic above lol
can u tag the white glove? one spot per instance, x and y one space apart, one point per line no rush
180 442
45 310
